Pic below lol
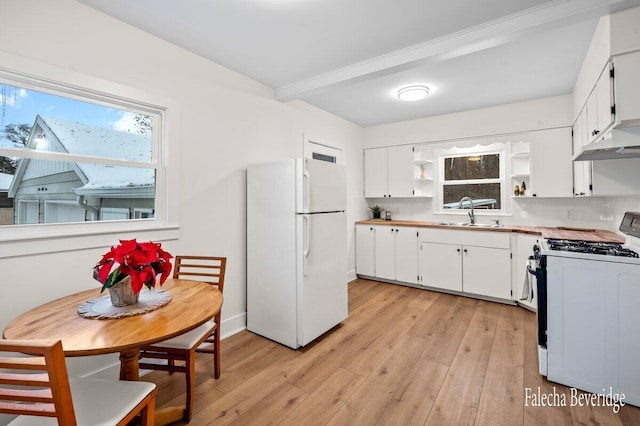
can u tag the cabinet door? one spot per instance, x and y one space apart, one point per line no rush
385 252
407 255
581 169
440 265
375 173
365 250
401 172
592 116
604 91
486 271
551 165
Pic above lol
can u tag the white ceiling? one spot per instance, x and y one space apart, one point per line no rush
350 57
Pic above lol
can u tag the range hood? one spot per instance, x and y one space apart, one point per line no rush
622 142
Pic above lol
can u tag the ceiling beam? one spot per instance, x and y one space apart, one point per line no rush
494 33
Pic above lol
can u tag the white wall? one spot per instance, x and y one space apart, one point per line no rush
222 121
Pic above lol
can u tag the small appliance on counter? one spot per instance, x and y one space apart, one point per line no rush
387 215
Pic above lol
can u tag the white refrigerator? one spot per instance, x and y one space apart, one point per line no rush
296 249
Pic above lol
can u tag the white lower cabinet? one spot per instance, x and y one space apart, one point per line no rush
440 265
396 253
365 250
387 252
486 271
472 262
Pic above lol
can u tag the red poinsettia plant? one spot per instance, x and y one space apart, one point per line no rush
141 261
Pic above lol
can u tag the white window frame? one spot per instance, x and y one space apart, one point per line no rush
16 240
500 149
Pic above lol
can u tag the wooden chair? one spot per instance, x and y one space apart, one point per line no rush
38 389
205 338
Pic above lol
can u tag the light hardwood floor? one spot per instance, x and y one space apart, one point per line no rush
403 357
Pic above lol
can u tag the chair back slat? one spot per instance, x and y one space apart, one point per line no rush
207 269
36 385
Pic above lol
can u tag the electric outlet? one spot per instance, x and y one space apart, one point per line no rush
569 213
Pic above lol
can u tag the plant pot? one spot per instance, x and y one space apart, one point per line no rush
376 215
121 293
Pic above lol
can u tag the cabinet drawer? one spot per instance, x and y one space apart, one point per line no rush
467 238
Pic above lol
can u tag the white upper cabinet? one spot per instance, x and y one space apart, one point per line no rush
551 165
544 163
389 172
581 169
600 110
400 171
375 173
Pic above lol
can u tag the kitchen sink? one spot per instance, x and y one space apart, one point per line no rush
472 225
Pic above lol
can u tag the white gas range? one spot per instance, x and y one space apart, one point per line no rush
589 312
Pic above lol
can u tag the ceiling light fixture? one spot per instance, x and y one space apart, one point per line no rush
413 93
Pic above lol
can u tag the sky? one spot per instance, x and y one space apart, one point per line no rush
20 106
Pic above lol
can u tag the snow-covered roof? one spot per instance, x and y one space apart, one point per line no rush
5 181
82 139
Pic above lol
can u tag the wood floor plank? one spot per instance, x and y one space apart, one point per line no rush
413 399
457 401
502 399
421 357
273 407
325 401
444 325
371 398
535 415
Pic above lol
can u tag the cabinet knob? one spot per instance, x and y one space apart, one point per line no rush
458 250
465 250
396 230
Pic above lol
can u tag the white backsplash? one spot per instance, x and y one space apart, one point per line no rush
584 212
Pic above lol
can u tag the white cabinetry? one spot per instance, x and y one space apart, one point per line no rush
365 240
387 252
551 163
389 172
396 253
473 262
581 169
544 174
440 265
486 271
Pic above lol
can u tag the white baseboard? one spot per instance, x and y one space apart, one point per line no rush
351 275
233 325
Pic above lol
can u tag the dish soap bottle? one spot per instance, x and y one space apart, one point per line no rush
523 188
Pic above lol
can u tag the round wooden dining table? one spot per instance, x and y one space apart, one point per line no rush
192 303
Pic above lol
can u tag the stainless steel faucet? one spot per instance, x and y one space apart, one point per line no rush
472 217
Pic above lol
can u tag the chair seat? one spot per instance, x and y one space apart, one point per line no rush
189 339
97 402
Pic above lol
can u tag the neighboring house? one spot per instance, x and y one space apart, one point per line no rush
47 191
6 203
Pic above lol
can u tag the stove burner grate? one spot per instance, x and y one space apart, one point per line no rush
602 248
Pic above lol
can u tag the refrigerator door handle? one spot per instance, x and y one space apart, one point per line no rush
307 188
307 244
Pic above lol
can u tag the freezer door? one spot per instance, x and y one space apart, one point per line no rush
322 284
320 186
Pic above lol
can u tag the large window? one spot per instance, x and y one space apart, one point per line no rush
76 156
84 160
477 173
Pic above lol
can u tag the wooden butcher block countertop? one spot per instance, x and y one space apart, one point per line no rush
565 233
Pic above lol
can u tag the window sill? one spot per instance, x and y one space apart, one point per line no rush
97 236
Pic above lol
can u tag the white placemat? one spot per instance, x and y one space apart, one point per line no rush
101 307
